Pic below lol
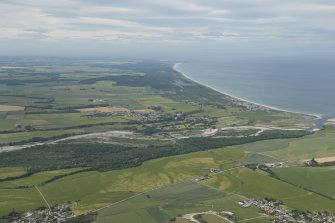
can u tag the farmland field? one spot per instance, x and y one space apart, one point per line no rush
138 142
213 219
11 172
318 179
92 189
96 189
174 200
52 99
256 185
318 145
7 108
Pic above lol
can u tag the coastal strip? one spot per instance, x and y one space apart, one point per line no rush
235 98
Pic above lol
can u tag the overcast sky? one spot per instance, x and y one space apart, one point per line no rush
171 27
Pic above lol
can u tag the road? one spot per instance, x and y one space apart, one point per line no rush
191 217
89 135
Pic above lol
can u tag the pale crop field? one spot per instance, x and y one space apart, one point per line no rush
7 108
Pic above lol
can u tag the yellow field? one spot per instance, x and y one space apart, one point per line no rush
325 159
113 109
95 189
144 111
6 108
104 109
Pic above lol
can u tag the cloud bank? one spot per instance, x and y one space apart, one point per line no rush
117 23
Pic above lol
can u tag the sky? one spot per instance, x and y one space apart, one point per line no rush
166 28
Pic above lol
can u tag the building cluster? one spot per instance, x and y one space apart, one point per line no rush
144 116
101 100
148 117
201 178
276 165
311 162
283 214
194 103
56 214
250 106
24 127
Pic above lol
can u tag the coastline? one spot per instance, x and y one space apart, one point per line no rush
233 97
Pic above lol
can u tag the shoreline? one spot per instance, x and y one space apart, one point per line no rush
268 107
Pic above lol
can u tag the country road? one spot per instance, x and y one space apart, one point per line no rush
89 135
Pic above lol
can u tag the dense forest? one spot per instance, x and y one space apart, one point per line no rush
104 157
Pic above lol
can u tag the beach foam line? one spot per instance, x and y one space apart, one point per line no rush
175 68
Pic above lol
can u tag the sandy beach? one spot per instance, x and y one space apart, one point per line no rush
175 67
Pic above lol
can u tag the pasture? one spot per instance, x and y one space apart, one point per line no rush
19 199
320 145
64 96
76 97
94 189
104 109
256 185
318 179
213 219
174 200
36 179
6 172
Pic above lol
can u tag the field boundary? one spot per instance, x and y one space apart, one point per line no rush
167 185
45 200
306 189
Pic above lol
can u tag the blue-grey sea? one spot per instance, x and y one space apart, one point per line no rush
300 84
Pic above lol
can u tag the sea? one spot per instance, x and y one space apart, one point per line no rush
298 84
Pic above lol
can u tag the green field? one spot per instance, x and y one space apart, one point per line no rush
166 147
318 179
52 104
11 172
256 185
173 201
36 179
213 219
94 189
20 200
317 145
251 158
321 144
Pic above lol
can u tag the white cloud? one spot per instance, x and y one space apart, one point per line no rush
168 21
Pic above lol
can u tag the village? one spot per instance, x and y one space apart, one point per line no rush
56 214
282 214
